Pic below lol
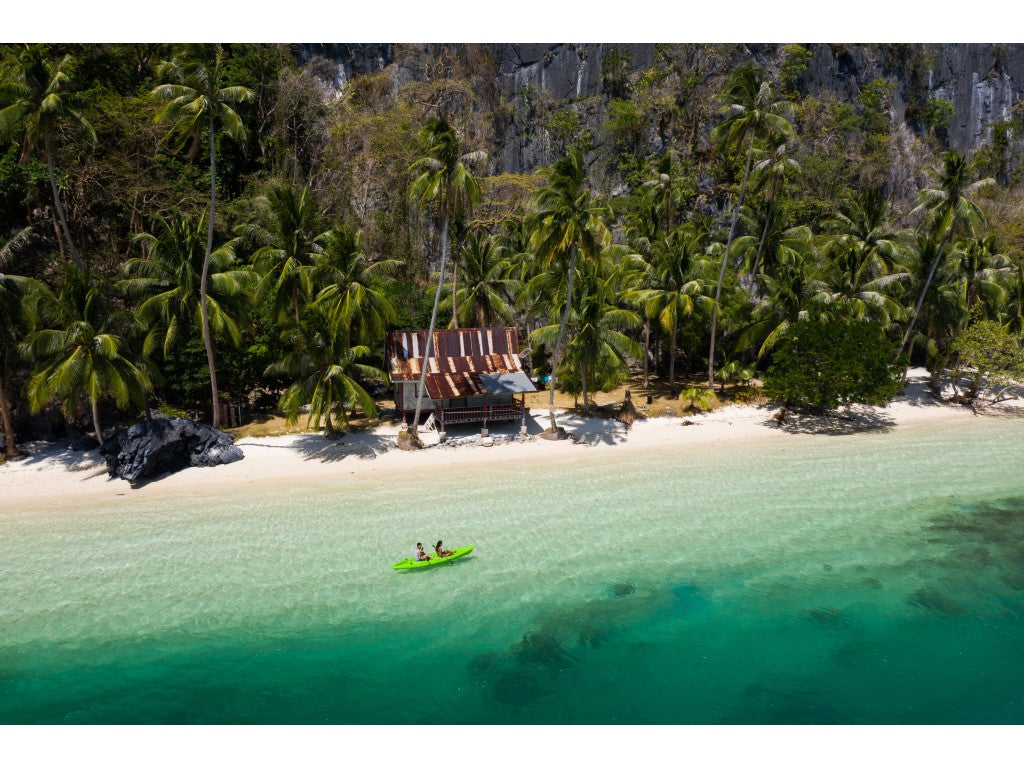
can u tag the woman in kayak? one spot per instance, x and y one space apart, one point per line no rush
419 554
442 552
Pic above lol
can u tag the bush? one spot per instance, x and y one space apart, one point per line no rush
827 364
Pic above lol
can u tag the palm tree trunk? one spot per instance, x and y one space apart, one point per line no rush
207 340
920 299
10 449
455 284
96 420
647 351
557 356
725 262
672 353
583 383
60 208
430 331
760 247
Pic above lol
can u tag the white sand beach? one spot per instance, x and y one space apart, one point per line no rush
52 475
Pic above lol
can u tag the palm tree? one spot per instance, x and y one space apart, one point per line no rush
569 221
81 352
38 100
324 369
861 260
1012 314
671 283
794 292
984 270
667 190
598 352
947 213
285 233
444 178
196 100
770 175
486 293
167 280
345 275
750 115
15 311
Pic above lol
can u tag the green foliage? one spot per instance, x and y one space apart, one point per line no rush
874 95
795 63
615 66
989 357
625 124
568 133
936 114
827 364
698 398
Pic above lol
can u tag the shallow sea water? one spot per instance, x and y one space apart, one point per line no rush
871 578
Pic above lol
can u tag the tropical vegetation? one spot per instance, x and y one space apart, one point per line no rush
192 224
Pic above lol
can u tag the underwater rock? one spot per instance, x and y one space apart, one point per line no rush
623 589
828 616
936 601
688 597
157 446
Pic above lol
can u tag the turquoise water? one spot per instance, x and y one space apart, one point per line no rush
872 578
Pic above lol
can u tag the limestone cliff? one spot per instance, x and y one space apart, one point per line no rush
982 81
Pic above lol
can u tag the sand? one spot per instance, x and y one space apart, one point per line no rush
52 475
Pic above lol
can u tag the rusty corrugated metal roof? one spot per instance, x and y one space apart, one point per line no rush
460 350
458 357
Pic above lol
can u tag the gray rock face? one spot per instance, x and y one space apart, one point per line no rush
982 81
162 445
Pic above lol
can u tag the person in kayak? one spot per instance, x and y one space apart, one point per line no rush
419 554
442 552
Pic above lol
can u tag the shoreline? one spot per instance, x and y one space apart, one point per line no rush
53 475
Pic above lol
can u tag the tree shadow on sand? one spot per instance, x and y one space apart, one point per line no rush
362 445
73 461
849 422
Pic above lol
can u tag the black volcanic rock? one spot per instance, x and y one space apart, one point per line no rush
157 446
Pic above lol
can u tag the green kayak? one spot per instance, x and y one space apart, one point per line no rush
410 562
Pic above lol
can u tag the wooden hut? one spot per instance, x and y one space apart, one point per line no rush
473 375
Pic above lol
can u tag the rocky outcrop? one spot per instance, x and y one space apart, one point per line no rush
161 445
983 81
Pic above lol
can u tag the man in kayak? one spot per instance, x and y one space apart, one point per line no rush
419 554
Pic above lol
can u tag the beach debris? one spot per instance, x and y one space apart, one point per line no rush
409 441
158 446
558 433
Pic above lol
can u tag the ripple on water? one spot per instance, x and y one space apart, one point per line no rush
725 584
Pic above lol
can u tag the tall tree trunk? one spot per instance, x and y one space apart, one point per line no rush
60 208
204 313
647 351
96 420
420 391
10 448
57 235
725 263
455 286
583 386
760 247
920 299
672 353
557 356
